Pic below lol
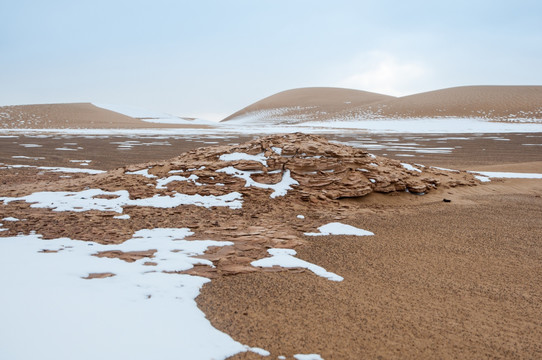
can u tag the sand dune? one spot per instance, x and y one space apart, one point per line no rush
500 103
308 104
74 115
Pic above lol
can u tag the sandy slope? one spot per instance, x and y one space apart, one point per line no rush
318 102
75 115
501 103
467 101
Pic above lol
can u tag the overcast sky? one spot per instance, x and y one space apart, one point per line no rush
211 58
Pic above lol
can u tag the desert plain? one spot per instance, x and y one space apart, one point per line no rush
433 249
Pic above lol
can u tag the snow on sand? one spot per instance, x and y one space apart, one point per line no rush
49 311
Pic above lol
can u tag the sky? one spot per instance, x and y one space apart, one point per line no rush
209 58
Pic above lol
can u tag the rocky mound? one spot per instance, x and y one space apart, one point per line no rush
262 194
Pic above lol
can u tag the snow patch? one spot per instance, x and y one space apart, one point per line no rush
410 167
87 200
161 183
242 156
508 175
308 357
279 189
144 172
285 258
336 228
139 305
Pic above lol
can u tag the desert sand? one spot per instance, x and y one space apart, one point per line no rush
499 103
72 116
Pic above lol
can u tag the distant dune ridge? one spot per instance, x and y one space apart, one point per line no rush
500 103
75 115
317 102
495 103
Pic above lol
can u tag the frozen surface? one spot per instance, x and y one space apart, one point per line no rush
279 189
88 200
10 218
286 258
508 175
49 311
336 228
242 156
307 357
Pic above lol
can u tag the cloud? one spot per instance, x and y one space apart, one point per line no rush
381 72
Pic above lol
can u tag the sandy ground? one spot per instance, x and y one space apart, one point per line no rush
438 280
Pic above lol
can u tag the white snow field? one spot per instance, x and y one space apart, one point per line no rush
49 311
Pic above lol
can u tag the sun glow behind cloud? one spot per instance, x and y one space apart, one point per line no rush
381 72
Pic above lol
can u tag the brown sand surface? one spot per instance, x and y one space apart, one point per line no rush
498 103
438 280
313 101
72 116
459 279
469 101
